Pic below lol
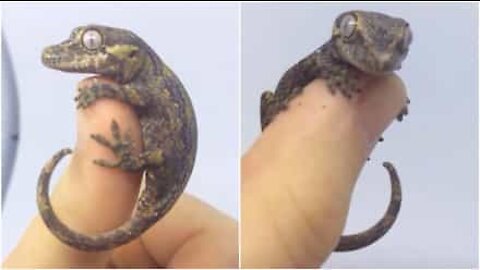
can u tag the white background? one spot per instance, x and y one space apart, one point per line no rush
434 149
199 42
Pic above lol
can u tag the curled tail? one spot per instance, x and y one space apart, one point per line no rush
103 241
365 238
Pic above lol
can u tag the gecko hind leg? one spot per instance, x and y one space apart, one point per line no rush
123 148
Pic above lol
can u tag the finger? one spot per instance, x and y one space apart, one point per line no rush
380 105
298 177
191 235
88 198
95 197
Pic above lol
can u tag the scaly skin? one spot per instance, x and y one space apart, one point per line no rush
165 112
362 44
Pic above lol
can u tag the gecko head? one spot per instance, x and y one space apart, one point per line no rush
113 52
373 42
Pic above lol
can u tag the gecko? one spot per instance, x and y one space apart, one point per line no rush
362 44
165 113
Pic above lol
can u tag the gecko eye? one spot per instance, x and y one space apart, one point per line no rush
92 39
347 26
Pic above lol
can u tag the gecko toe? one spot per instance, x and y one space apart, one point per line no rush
102 140
106 163
115 128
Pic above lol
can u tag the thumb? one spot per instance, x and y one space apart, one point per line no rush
298 177
99 198
89 199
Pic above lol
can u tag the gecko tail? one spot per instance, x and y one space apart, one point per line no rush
377 231
103 241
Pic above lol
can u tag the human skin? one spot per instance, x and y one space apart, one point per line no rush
297 178
191 235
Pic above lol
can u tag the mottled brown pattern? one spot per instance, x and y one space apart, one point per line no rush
368 237
166 115
362 44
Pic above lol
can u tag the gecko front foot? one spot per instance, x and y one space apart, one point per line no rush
404 111
123 148
88 95
344 79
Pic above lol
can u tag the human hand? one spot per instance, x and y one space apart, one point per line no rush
298 177
93 199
